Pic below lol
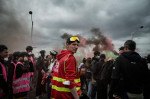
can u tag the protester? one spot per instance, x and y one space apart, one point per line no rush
88 75
40 89
11 69
66 81
47 77
3 74
129 73
101 89
92 93
96 57
82 72
21 77
105 78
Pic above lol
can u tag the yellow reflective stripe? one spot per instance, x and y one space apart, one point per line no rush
65 61
77 80
60 88
77 88
62 80
63 88
59 79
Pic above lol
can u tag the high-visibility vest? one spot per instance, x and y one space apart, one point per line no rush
59 87
5 78
21 84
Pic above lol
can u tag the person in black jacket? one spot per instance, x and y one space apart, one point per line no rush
11 68
3 76
129 73
40 89
101 90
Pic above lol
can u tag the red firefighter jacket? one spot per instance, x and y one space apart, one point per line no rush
65 69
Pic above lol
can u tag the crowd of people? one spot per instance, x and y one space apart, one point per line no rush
23 76
126 77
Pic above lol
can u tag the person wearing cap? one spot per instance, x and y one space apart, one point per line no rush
47 77
3 74
66 80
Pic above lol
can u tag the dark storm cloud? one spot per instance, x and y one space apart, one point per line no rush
13 28
127 17
120 19
52 18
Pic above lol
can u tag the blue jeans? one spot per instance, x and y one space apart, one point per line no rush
91 90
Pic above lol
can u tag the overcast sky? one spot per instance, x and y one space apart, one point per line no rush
116 19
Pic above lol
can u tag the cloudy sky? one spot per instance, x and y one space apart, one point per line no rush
116 19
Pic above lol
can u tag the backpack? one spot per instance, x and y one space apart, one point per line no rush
136 75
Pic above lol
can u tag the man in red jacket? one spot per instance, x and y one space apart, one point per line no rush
65 78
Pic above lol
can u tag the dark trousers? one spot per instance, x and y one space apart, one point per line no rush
83 81
101 89
48 88
39 87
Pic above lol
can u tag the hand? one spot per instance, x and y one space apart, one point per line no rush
20 59
116 96
42 71
25 58
42 82
50 84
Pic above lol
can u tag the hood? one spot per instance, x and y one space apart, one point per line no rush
63 53
132 56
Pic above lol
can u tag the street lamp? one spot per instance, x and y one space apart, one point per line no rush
132 33
30 12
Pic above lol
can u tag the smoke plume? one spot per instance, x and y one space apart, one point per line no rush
16 35
100 42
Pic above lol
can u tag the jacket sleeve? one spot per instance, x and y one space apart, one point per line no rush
19 70
3 84
70 71
31 67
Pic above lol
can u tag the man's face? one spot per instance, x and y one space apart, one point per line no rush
4 53
73 47
29 51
